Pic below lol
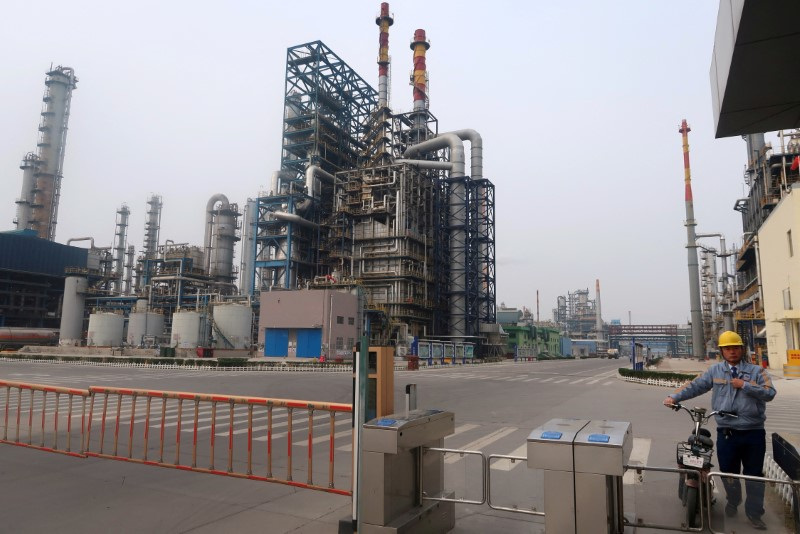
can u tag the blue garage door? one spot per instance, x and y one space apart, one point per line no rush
309 342
276 342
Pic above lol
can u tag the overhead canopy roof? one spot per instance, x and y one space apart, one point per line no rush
755 67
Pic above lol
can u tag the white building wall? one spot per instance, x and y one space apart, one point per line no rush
780 277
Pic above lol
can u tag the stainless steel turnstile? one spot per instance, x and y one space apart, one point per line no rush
550 448
602 448
393 467
583 463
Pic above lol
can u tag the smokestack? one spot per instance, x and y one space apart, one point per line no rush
599 324
384 20
698 343
419 79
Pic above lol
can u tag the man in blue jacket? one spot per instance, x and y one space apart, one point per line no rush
744 389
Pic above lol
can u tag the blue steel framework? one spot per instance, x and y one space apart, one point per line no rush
326 106
482 247
665 335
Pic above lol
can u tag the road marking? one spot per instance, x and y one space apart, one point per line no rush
517 379
608 383
507 465
548 379
532 379
562 380
579 380
481 443
639 455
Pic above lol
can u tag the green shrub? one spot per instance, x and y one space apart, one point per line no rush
658 375
232 362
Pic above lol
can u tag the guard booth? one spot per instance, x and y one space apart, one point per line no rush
380 381
394 468
583 463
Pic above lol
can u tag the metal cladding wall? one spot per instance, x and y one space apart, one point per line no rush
21 251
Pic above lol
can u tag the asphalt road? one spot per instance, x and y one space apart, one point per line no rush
495 406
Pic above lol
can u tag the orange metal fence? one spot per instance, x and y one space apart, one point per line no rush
125 418
31 409
271 440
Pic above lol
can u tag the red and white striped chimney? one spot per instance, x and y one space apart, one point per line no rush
384 20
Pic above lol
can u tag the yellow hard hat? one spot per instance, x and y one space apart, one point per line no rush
730 339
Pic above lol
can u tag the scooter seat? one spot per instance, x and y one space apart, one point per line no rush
705 441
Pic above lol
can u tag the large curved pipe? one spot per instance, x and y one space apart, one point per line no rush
293 217
458 222
427 164
219 197
476 151
90 239
446 140
312 172
275 181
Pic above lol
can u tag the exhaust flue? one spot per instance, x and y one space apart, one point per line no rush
698 344
383 21
419 79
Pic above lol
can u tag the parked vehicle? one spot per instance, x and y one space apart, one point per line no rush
695 454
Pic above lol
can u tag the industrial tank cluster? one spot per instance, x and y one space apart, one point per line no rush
366 201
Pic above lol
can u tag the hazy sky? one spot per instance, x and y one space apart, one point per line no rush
579 105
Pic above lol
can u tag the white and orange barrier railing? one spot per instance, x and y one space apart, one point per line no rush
43 417
271 440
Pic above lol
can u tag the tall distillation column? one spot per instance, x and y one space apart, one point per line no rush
152 224
46 190
120 244
128 287
698 344
30 164
220 237
599 318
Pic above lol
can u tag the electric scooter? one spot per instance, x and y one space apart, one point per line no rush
695 454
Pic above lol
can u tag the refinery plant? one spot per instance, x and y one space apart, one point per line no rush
377 224
381 206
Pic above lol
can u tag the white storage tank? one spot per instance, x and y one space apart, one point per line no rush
72 310
105 330
188 330
143 324
233 324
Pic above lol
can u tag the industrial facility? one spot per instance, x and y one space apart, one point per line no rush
381 206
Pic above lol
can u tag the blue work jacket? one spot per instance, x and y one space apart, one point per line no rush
749 402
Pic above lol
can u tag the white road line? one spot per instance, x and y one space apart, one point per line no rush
548 379
517 379
578 381
532 379
608 383
594 381
506 464
639 455
481 443
562 380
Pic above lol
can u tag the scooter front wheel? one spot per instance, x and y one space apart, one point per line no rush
692 506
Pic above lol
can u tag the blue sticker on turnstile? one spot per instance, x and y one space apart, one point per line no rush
386 422
551 434
599 438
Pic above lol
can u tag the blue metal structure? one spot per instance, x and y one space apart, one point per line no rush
326 107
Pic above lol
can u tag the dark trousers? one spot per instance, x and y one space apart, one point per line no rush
742 451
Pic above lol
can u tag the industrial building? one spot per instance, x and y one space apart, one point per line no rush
378 206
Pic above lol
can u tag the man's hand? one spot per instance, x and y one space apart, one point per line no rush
737 383
669 401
